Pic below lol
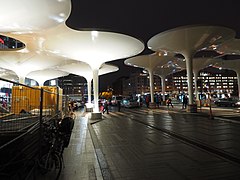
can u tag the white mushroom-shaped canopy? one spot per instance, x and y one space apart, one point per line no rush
231 46
92 47
179 64
190 38
163 71
77 67
198 63
24 63
23 16
107 68
187 40
83 69
201 63
8 74
46 74
11 56
228 64
149 62
32 41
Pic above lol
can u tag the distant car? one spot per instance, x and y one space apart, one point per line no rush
227 102
115 100
129 103
237 103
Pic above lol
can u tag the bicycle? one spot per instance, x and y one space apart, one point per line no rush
52 157
56 136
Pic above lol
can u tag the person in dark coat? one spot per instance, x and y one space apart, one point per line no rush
105 107
184 102
169 102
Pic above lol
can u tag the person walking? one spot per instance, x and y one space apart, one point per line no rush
157 101
184 102
169 102
105 107
147 101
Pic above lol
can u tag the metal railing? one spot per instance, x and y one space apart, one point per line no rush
23 110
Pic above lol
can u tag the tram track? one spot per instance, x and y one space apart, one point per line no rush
193 142
185 139
162 147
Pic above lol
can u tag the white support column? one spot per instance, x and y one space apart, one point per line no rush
163 87
189 65
151 80
195 73
95 88
89 105
89 90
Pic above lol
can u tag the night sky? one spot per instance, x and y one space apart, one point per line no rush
145 19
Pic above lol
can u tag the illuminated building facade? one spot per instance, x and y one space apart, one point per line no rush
210 79
73 85
138 83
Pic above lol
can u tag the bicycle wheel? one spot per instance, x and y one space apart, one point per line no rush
51 163
58 164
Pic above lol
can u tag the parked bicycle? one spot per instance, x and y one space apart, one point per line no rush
56 137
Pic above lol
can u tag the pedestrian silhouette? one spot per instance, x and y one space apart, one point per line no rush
105 107
169 102
184 102
147 101
157 100
119 105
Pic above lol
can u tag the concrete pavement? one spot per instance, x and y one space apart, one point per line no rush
153 144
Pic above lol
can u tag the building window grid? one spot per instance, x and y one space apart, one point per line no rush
180 82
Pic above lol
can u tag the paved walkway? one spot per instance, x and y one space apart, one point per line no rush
136 144
132 144
218 113
80 161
